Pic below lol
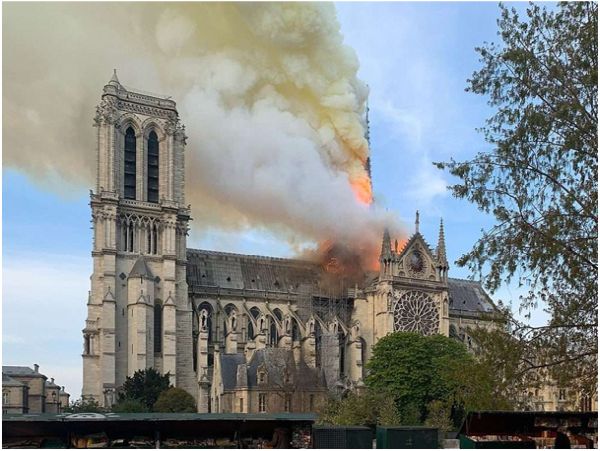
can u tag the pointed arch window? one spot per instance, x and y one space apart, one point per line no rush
157 328
152 167
129 167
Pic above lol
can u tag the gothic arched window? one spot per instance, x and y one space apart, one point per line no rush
152 167
273 338
342 353
129 167
295 331
157 328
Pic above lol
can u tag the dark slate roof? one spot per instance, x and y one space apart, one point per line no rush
19 371
8 381
50 384
229 364
256 274
275 360
468 297
251 272
141 269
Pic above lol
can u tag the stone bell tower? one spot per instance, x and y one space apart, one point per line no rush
139 314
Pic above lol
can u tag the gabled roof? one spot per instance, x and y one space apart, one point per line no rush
141 269
251 272
417 237
8 381
275 361
19 371
51 384
469 297
229 364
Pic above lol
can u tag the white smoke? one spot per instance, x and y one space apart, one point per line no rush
268 92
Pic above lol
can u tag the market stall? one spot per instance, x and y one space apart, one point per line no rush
157 430
529 430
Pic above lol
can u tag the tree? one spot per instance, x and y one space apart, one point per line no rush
84 405
129 405
416 370
539 180
144 386
175 399
365 408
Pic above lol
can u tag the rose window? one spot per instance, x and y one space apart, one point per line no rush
415 311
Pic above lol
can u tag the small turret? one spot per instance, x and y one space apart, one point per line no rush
114 80
386 245
385 259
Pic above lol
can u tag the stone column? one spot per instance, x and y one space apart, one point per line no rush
169 339
309 351
202 372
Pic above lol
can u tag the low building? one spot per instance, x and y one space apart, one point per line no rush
52 397
26 390
268 380
15 395
36 382
64 398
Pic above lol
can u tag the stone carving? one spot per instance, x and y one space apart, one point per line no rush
105 113
144 109
287 324
310 326
203 320
355 331
333 327
262 323
232 321
416 311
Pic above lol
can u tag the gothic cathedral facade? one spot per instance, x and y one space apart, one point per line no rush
234 329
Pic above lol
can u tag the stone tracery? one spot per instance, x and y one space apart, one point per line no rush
416 311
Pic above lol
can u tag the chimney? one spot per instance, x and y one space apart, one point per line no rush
51 380
36 368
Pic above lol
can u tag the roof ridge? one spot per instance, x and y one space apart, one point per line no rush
478 282
253 256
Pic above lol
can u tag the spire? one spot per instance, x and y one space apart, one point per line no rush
368 130
368 138
114 79
386 245
417 222
441 247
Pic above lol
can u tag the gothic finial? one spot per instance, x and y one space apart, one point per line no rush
386 245
441 247
417 222
114 78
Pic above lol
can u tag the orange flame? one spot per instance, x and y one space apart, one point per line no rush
362 189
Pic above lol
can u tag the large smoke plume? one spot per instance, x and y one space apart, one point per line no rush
268 92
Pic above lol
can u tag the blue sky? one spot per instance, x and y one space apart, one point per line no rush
415 57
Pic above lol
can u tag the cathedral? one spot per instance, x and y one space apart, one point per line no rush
241 333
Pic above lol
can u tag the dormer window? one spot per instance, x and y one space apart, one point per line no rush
262 377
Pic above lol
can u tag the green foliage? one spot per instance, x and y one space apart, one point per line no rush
128 405
175 400
417 370
144 386
438 416
366 408
83 405
539 181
